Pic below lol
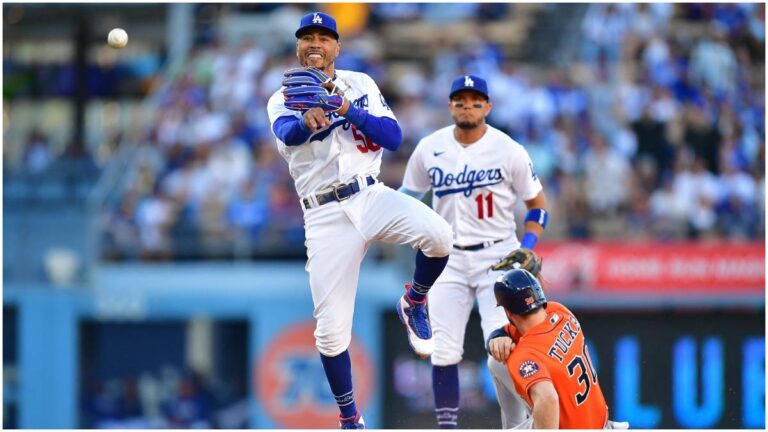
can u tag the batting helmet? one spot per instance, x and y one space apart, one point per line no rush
519 292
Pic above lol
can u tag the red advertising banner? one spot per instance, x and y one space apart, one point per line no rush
637 267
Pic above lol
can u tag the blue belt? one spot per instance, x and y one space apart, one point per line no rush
339 193
476 247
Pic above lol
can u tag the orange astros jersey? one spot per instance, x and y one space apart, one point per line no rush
555 351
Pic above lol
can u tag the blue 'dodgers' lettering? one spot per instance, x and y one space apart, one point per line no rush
464 182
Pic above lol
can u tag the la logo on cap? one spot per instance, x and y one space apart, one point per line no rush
468 81
317 19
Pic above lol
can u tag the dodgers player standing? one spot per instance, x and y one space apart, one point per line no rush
334 159
476 174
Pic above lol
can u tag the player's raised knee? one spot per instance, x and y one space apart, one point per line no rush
331 345
445 359
439 236
497 368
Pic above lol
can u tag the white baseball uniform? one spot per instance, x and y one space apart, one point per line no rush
339 233
475 189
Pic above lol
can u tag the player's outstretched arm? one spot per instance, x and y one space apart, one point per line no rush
546 405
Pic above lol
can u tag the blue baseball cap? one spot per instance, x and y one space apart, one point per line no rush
320 20
469 82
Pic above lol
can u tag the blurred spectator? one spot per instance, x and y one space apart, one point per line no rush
650 19
639 215
652 142
101 404
607 177
122 232
166 400
190 408
37 152
395 12
154 215
247 214
738 208
713 62
668 212
703 138
700 191
129 402
604 27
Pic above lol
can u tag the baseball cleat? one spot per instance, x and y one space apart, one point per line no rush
355 422
415 317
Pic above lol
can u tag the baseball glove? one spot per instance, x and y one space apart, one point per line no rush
310 87
302 98
522 258
305 76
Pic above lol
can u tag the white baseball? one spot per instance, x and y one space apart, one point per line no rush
117 38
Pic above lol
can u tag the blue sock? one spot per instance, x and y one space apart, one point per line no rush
426 273
338 370
445 385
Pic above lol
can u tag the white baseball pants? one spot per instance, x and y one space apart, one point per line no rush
338 235
467 277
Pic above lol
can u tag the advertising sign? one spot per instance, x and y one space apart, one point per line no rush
654 267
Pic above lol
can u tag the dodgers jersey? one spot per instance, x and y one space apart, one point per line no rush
475 187
337 153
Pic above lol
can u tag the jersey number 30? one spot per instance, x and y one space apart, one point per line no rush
365 142
587 375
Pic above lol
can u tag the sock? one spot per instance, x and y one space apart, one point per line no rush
338 370
445 385
426 273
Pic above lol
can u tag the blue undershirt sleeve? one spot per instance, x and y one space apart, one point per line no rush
417 195
291 130
383 131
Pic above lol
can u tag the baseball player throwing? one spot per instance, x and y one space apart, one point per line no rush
331 126
550 364
476 174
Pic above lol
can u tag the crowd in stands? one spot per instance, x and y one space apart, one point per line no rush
165 400
655 131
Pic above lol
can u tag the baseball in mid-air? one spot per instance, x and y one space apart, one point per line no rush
117 38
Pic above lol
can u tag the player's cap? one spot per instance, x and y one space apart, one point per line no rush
469 82
317 19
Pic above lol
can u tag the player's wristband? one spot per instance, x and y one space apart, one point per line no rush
529 240
499 332
538 215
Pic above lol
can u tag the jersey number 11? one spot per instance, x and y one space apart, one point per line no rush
488 203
